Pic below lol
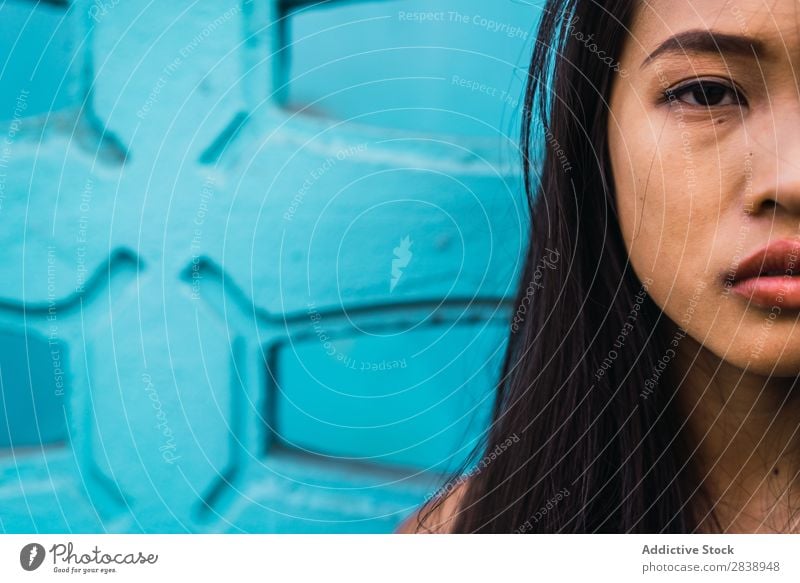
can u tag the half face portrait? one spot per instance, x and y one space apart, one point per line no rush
653 382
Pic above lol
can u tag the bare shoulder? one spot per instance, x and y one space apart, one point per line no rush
437 516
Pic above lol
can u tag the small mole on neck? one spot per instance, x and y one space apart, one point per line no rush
775 471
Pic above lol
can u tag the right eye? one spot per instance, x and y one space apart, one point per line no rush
705 94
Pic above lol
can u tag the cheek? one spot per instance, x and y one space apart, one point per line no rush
679 203
670 197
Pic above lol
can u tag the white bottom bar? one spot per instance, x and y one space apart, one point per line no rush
399 558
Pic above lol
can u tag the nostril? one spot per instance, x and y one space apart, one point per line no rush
769 205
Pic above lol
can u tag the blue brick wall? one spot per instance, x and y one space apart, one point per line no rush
258 257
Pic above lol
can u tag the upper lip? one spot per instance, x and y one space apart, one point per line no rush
779 257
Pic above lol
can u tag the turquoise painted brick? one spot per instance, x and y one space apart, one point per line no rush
258 257
45 67
410 397
33 384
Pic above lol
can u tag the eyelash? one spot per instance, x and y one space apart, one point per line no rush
703 85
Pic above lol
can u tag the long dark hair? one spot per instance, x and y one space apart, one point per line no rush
583 438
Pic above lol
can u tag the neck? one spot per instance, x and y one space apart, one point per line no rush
743 428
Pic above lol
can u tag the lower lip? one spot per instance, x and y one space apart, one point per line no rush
770 290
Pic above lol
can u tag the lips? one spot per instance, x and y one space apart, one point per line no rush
770 276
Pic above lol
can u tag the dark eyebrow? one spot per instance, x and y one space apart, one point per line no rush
708 41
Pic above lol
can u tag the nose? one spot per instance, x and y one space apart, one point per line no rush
772 169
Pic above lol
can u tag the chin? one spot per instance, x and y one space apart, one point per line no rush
775 353
770 364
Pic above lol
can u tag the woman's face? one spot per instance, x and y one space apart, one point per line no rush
704 136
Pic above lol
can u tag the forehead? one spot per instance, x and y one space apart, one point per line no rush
775 22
